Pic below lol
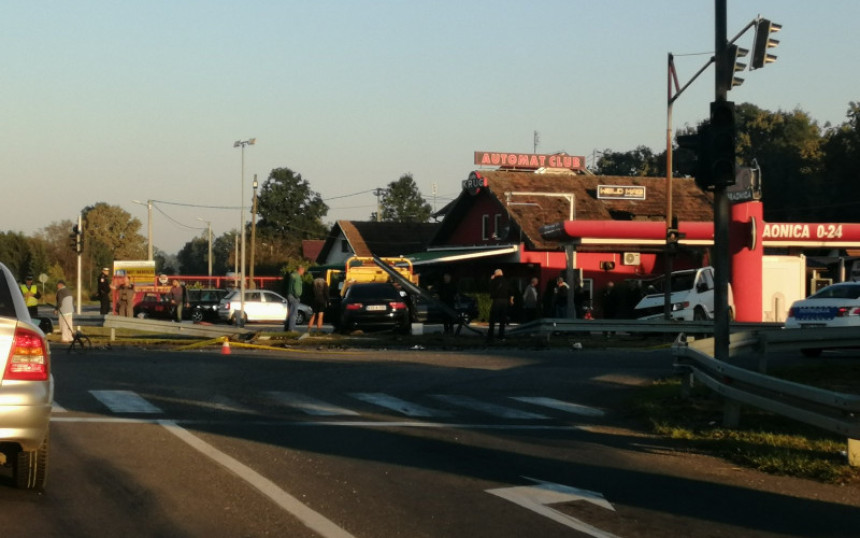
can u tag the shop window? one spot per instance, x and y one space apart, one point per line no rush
485 227
497 226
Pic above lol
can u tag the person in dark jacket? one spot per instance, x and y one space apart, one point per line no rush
104 291
501 297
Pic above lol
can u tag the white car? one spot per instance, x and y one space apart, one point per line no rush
260 305
26 389
837 305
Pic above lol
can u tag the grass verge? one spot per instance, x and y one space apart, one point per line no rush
763 441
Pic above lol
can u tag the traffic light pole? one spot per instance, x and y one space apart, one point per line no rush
79 251
721 260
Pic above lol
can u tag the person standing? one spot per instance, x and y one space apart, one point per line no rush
65 310
31 296
320 289
501 297
562 290
294 297
448 296
530 300
125 298
104 291
177 299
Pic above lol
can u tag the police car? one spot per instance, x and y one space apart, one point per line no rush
837 305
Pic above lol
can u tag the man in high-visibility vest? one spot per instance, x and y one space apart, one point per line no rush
31 296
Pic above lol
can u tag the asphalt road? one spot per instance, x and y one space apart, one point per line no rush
387 443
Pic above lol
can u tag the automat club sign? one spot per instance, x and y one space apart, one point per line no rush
529 161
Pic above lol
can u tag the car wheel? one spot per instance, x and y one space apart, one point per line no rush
699 315
140 315
301 319
235 317
31 467
811 353
196 315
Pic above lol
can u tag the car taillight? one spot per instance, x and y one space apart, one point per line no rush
354 306
28 359
846 311
398 305
791 312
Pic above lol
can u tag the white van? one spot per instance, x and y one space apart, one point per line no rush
692 296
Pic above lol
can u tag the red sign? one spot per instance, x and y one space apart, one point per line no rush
531 161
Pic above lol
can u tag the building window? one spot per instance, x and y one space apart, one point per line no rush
485 227
497 226
344 245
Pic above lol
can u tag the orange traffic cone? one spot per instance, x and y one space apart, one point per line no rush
225 347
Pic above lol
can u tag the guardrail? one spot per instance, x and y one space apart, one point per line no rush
549 326
833 411
170 328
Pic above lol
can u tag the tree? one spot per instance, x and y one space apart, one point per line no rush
639 162
841 148
788 148
402 202
289 208
112 233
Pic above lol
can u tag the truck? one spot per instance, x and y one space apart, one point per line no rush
692 296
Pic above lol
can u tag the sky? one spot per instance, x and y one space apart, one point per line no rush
124 102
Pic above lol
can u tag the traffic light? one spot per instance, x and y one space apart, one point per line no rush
722 151
763 41
733 53
76 239
698 145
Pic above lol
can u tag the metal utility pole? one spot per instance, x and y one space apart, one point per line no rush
253 230
378 193
721 200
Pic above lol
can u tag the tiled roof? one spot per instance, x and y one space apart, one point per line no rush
531 211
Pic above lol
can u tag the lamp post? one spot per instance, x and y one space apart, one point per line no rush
240 321
209 258
148 205
253 229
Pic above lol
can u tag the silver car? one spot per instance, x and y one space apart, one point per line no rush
26 389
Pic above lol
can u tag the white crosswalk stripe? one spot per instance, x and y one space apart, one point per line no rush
309 405
396 404
560 405
489 408
124 401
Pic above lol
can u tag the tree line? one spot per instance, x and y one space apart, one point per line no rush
288 211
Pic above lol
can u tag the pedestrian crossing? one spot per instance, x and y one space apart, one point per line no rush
352 404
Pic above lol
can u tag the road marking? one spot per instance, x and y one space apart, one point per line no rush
396 404
560 405
124 401
535 498
308 405
485 407
307 516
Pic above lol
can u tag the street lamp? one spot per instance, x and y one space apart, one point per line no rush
148 205
241 144
209 226
253 229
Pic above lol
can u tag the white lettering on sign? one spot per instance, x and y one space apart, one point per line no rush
789 230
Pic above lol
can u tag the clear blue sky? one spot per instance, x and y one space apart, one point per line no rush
115 101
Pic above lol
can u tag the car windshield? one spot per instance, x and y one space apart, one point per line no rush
847 291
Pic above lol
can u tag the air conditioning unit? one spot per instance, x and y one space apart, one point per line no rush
631 258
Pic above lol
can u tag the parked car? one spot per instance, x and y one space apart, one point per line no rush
373 305
837 305
692 296
26 389
203 304
426 312
155 305
260 305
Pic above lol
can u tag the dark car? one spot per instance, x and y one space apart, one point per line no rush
203 304
155 305
373 305
427 312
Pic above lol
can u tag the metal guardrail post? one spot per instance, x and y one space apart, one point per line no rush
832 411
